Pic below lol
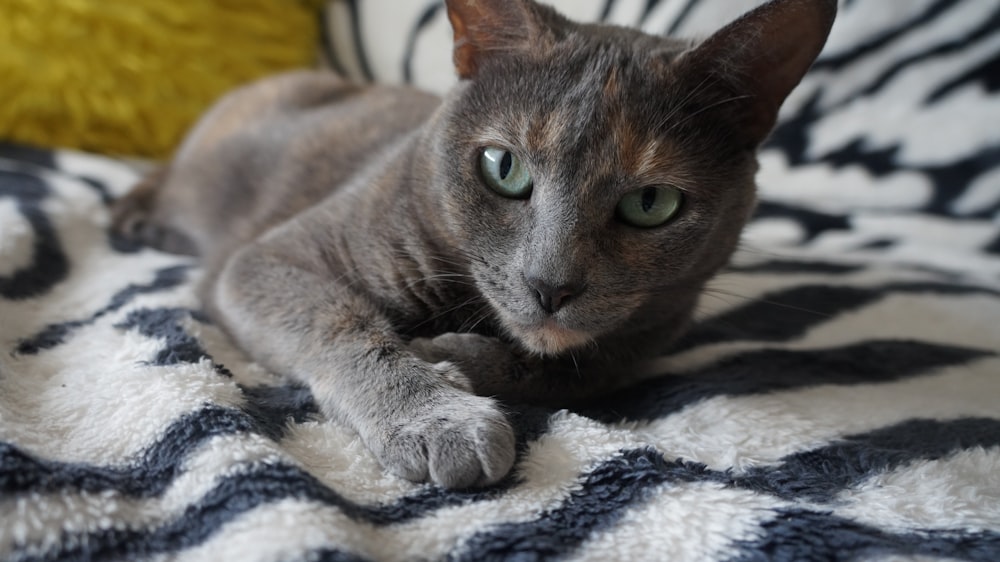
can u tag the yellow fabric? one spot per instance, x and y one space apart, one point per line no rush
128 77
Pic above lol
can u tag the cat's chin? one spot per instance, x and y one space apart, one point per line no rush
549 338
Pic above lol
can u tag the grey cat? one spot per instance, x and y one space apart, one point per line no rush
546 224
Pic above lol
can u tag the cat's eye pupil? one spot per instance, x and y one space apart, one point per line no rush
649 207
505 173
648 198
505 163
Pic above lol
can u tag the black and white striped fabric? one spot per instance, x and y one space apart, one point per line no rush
839 397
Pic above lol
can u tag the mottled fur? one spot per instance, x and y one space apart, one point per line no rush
349 241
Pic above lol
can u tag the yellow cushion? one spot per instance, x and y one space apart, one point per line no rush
128 77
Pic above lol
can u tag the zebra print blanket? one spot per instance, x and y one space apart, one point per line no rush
839 397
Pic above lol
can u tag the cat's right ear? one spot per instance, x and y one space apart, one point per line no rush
765 53
487 28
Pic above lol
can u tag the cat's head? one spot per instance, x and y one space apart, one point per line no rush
596 177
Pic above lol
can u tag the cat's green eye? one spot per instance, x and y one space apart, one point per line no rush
649 206
505 173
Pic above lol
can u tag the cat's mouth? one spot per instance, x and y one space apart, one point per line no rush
549 337
546 335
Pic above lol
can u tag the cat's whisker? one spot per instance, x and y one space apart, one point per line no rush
748 248
717 295
716 292
483 314
698 88
343 286
706 108
576 365
446 312
453 278
447 261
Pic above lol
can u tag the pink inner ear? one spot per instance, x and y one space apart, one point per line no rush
485 27
464 53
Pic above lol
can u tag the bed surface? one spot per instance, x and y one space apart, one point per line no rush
839 397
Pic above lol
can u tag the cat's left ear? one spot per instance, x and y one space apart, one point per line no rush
489 28
765 53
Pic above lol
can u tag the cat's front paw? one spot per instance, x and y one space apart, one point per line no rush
482 359
456 440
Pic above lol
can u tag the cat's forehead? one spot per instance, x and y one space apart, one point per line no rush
600 116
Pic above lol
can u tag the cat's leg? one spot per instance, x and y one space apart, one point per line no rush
134 217
497 369
298 318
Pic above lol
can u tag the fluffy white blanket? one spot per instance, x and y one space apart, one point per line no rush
839 398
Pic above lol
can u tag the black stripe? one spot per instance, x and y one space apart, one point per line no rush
800 535
648 9
987 74
38 167
950 180
964 42
606 10
55 334
23 153
99 187
151 474
274 408
813 222
39 162
835 62
268 411
994 246
166 324
602 498
791 137
796 266
23 186
880 244
354 9
236 494
790 313
819 475
411 42
683 15
779 316
624 482
773 370
621 478
330 555
124 244
49 265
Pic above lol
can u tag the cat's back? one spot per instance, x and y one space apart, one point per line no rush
269 150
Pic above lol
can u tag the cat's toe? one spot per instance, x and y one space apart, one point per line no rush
406 457
472 456
453 376
467 442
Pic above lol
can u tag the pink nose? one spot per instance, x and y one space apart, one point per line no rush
552 298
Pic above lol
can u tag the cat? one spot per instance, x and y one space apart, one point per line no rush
550 221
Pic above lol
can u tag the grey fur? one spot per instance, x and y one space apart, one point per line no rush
349 241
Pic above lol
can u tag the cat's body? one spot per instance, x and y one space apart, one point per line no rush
369 241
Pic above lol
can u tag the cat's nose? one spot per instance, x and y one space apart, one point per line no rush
553 297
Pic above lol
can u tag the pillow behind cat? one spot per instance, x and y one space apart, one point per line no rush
389 41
